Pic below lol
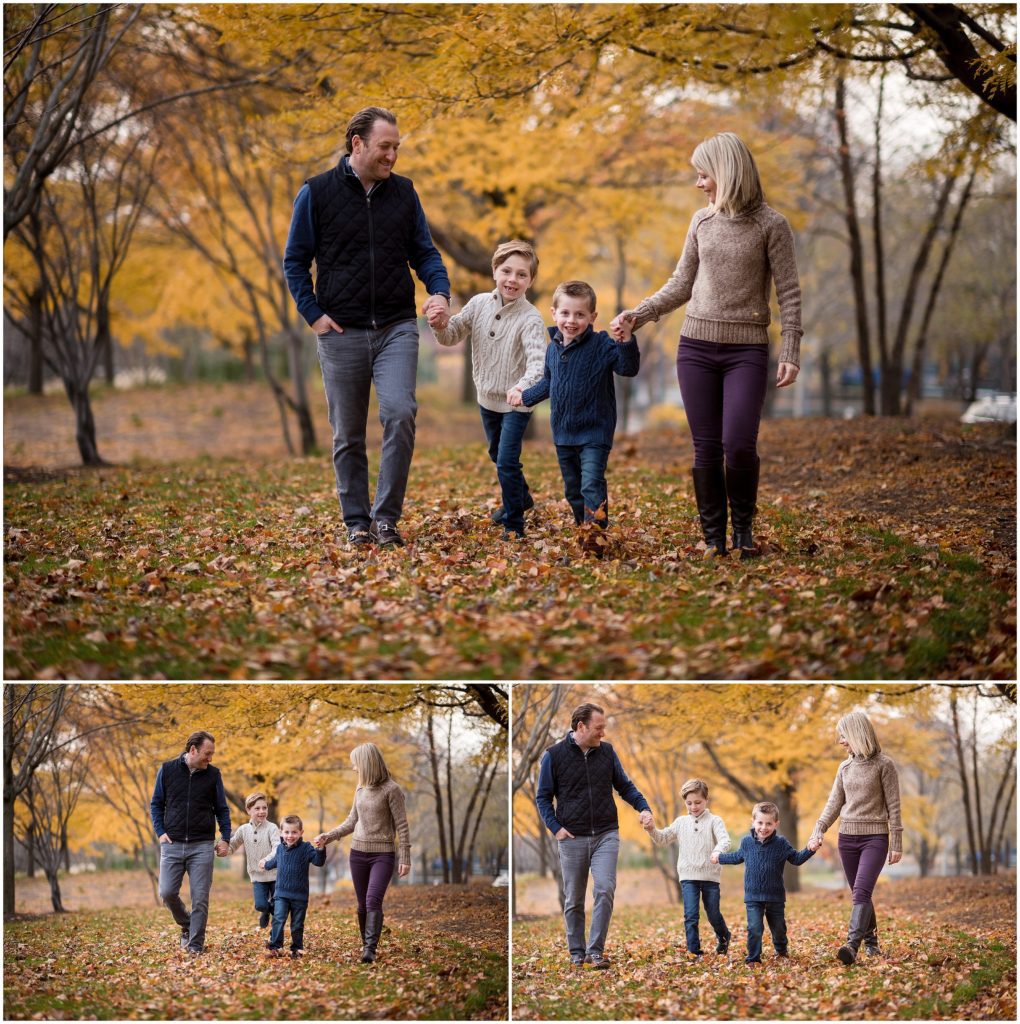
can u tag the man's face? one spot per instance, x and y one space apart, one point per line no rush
764 825
373 158
259 811
572 316
291 833
201 757
695 803
590 735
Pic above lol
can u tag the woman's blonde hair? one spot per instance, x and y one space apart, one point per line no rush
859 733
728 162
371 767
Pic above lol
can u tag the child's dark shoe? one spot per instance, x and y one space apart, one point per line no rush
515 535
499 516
272 953
723 945
296 954
264 919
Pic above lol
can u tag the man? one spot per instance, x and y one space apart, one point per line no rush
364 226
187 803
580 773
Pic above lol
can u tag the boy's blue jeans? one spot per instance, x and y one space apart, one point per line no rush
694 891
297 910
583 468
264 894
757 915
505 434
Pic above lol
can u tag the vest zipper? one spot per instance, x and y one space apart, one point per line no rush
187 810
591 805
371 260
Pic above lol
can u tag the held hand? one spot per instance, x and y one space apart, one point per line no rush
325 324
714 858
262 864
164 838
813 843
320 841
563 834
621 321
404 870
437 310
646 819
515 397
895 856
649 826
222 848
786 375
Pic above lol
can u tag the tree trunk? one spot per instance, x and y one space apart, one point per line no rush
8 846
878 242
104 340
55 898
30 849
84 424
438 794
468 395
856 250
295 357
917 363
825 371
786 801
964 784
455 866
35 342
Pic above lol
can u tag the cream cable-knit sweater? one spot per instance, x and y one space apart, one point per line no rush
508 344
697 838
725 274
259 842
866 798
377 819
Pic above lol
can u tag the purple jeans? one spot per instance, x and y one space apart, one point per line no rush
371 874
863 858
723 388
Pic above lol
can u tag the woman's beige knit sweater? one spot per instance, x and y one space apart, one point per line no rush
725 276
377 819
866 799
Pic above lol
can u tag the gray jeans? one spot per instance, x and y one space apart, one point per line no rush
579 857
351 362
197 859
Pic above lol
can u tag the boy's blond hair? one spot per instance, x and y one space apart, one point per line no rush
515 247
576 290
694 786
857 730
252 800
368 759
293 819
765 807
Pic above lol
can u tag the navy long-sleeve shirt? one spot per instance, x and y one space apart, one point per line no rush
763 865
299 254
578 382
158 804
291 863
622 783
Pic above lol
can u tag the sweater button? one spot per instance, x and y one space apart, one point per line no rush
492 334
497 316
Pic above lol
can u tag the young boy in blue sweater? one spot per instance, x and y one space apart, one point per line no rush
291 860
578 381
764 854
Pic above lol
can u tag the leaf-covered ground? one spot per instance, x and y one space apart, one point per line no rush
443 956
949 953
889 553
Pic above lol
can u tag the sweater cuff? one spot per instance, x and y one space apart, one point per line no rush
790 351
643 314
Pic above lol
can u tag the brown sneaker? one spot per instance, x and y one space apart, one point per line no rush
597 962
385 533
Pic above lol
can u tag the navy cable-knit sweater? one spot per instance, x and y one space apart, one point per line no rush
763 865
291 863
578 382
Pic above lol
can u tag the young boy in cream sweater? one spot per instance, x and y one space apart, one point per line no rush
508 342
260 837
699 834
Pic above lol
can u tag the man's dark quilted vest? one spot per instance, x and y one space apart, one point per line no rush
189 802
362 242
583 788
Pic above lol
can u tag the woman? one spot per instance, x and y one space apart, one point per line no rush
377 819
735 247
866 799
